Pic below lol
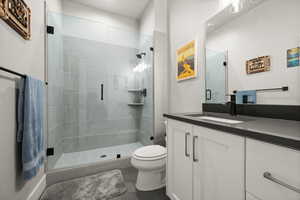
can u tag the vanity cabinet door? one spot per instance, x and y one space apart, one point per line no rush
219 165
179 161
273 172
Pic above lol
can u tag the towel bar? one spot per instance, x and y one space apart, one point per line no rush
15 73
283 88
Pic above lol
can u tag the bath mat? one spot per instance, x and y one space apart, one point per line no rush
102 186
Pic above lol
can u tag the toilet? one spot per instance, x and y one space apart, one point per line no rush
151 164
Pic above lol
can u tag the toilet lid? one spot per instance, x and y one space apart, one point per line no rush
152 151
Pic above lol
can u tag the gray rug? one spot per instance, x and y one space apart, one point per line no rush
102 186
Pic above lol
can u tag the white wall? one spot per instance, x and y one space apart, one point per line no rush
94 14
147 20
72 8
269 29
24 57
155 17
186 23
161 15
99 25
54 5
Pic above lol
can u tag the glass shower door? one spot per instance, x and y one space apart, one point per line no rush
55 92
144 80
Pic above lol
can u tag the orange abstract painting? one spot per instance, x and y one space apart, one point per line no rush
186 65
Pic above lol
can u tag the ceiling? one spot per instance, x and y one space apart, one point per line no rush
228 13
129 8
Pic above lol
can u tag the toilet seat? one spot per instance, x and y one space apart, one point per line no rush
151 152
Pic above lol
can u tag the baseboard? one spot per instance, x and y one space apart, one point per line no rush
38 189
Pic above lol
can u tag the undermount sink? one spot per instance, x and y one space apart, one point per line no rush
217 119
222 120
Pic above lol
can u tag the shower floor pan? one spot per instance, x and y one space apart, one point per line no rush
96 155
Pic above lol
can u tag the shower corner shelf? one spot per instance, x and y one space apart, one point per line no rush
135 90
142 92
136 104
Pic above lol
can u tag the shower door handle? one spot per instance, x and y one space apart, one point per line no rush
102 88
208 94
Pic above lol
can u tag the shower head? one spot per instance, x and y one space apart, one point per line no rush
140 55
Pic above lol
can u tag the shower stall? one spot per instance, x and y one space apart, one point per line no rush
100 93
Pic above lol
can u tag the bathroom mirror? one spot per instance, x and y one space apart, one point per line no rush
263 35
216 76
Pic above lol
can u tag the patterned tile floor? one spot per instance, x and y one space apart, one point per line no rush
130 175
92 156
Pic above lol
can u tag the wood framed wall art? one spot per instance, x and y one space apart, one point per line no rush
17 15
260 64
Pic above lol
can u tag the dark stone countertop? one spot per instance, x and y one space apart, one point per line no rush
276 131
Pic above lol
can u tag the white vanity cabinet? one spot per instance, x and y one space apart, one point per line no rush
179 162
219 165
204 164
280 164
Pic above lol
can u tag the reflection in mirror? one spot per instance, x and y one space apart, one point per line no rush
262 40
216 67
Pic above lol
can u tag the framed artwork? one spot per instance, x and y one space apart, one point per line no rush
186 61
260 64
293 57
17 15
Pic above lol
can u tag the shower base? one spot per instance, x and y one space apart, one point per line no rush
96 155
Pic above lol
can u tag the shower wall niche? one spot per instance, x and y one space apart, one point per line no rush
91 67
